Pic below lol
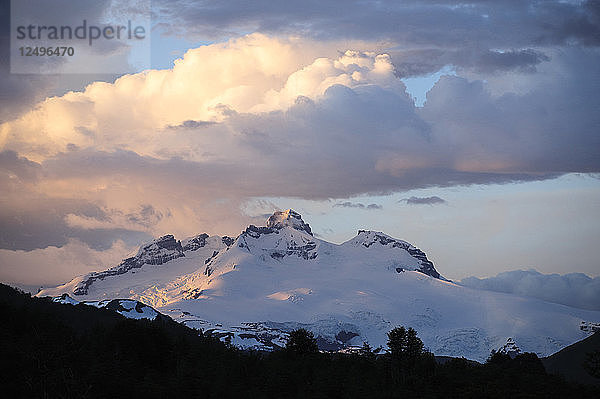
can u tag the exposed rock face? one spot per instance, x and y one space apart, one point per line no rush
199 241
306 251
426 264
227 240
589 327
256 232
159 251
196 243
208 270
289 218
368 238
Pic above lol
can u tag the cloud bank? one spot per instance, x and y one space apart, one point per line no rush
574 289
478 36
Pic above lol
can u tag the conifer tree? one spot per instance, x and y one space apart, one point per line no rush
302 341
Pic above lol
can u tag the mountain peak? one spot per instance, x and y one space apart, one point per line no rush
376 239
288 218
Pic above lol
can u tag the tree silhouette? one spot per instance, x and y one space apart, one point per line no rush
397 342
404 344
302 341
406 350
414 346
366 351
498 357
592 363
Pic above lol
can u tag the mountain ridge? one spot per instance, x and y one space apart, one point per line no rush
275 278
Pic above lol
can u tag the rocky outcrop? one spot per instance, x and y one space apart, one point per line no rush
306 251
227 240
589 327
195 243
426 264
256 232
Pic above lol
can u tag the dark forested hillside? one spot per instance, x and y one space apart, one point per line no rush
65 351
578 362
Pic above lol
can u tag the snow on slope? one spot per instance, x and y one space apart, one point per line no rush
144 276
273 279
127 307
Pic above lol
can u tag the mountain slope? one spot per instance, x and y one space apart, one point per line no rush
154 265
569 361
279 277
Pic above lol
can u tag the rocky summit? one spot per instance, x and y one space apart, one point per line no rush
289 218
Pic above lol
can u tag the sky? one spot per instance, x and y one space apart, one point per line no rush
470 129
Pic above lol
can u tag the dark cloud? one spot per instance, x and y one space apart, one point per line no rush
520 60
567 23
434 200
11 164
30 219
574 289
348 204
229 180
553 127
416 21
19 92
485 61
38 222
478 35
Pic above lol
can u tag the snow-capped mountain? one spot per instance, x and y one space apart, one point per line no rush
279 277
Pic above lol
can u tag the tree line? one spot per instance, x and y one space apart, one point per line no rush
49 350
